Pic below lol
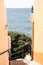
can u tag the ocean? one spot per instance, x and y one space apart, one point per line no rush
19 20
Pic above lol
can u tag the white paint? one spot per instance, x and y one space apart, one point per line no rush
34 63
9 42
28 58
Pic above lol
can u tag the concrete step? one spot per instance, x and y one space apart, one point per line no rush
34 63
23 62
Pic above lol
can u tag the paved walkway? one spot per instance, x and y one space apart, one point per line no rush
23 62
31 62
34 63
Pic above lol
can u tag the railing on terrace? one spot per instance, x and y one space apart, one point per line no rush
19 54
16 55
5 51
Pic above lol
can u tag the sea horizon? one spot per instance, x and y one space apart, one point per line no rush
18 20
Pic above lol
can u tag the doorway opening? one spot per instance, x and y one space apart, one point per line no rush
19 29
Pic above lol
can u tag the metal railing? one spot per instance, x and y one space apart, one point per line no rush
4 51
16 54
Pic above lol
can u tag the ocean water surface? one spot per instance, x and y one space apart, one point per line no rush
18 20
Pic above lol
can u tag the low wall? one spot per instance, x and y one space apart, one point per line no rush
13 62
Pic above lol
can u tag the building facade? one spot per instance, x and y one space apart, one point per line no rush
4 56
37 43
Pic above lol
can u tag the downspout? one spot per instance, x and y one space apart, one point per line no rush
32 20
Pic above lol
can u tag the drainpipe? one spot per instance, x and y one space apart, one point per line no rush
32 20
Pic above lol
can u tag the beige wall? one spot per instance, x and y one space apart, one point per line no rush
3 35
38 30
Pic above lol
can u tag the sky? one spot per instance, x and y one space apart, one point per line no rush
18 3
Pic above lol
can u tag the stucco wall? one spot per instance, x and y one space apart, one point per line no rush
38 30
3 35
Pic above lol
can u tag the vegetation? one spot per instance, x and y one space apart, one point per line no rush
19 42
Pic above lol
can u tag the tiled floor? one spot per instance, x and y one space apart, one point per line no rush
23 62
34 63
